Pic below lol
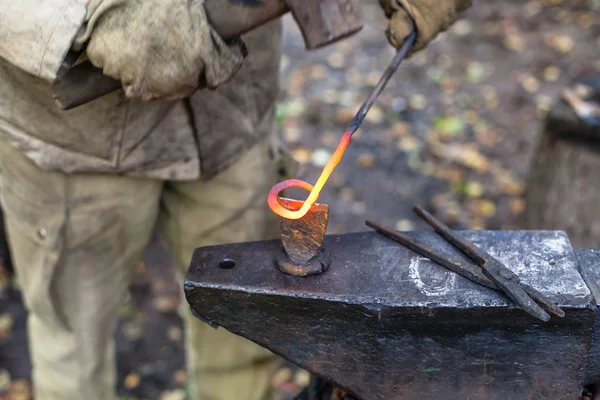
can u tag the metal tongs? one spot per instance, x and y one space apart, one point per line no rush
487 271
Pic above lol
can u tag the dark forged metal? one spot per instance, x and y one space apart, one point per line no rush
386 323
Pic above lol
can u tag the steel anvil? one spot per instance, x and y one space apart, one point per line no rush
386 323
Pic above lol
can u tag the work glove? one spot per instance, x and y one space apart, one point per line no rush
430 18
158 49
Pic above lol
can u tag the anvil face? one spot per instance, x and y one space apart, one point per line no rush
384 322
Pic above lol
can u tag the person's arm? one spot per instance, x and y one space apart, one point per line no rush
158 49
35 35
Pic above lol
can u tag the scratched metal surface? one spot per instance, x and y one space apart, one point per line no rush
384 323
589 267
379 267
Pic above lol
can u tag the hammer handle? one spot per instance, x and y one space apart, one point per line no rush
84 82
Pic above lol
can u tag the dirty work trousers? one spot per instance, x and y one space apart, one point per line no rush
75 240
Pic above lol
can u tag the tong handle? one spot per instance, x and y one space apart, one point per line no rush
456 240
543 300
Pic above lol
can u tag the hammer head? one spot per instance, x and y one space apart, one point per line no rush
323 22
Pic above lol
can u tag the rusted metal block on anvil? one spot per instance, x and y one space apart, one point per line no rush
302 239
386 323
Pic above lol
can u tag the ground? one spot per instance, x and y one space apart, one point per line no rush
454 131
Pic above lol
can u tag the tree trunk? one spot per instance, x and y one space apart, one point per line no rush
563 190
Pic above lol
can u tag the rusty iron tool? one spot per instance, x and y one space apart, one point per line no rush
488 271
321 22
302 239
386 323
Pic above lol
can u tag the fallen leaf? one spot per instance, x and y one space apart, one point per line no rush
320 157
180 377
408 143
400 129
532 8
560 42
517 205
466 155
449 174
514 42
295 107
166 303
508 183
366 160
375 115
373 78
292 133
530 83
344 115
585 20
485 208
449 125
330 96
551 73
462 27
475 72
301 155
474 189
347 98
175 334
476 223
131 381
336 60
417 101
177 394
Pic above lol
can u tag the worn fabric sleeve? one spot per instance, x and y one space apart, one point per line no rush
35 35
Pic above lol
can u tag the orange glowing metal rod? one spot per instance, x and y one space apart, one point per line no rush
313 196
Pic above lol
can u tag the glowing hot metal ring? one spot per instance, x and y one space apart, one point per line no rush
313 196
315 190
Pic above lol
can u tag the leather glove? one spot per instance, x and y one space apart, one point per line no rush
158 49
430 18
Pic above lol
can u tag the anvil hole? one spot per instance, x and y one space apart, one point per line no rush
227 263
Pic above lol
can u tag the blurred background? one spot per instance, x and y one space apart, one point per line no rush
455 130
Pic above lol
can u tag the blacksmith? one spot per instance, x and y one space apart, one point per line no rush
83 190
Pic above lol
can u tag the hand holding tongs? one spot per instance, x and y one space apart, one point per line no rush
488 271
